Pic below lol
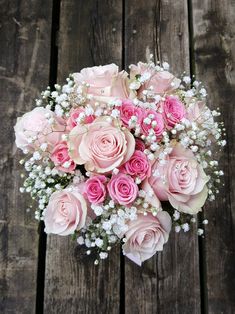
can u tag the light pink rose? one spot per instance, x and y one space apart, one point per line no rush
158 119
173 111
181 181
139 145
61 158
95 189
35 125
74 114
101 145
161 81
65 213
146 235
122 189
137 166
127 110
105 82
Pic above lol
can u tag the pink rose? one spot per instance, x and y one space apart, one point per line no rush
104 82
137 166
181 181
156 123
34 129
127 110
139 145
95 189
146 235
122 189
61 158
101 145
161 81
173 111
65 213
74 114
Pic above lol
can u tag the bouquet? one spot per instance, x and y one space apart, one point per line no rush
113 157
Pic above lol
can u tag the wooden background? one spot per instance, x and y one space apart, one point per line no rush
41 42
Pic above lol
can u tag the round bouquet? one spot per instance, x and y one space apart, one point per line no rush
115 158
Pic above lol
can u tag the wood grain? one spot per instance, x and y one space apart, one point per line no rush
24 71
169 282
214 53
90 34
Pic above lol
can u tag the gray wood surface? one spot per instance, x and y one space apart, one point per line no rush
24 72
214 55
189 276
90 34
169 282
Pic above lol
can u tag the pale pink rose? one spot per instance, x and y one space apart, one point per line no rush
181 181
61 159
101 145
146 235
161 81
139 145
122 189
150 196
105 82
95 189
158 119
173 111
127 110
65 213
137 166
34 129
199 112
74 114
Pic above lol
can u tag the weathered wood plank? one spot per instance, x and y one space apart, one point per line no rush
214 50
24 71
90 34
169 282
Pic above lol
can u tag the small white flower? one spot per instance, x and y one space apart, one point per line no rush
177 229
99 242
44 147
37 156
185 227
165 66
98 210
176 215
103 255
200 231
80 240
107 225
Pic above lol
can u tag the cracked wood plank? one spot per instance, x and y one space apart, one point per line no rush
24 71
169 282
90 34
214 54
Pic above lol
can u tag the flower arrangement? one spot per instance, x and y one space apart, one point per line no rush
117 158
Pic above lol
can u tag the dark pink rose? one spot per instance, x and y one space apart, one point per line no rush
61 158
74 114
139 145
127 110
173 111
137 166
157 123
122 189
95 190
